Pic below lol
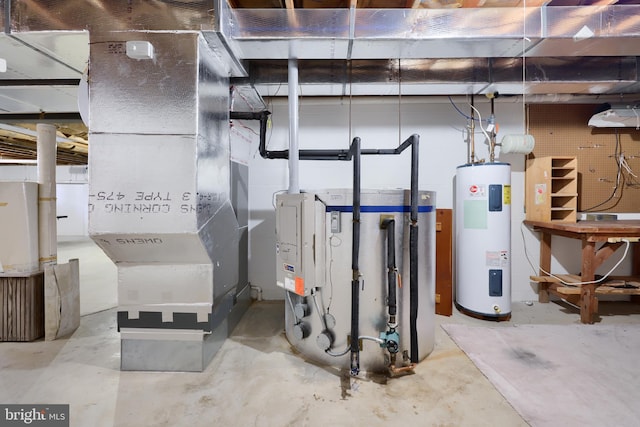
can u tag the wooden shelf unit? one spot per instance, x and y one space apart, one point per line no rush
552 189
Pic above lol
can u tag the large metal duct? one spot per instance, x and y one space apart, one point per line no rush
588 51
162 204
582 50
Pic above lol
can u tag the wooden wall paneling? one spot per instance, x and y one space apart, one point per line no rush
444 262
562 130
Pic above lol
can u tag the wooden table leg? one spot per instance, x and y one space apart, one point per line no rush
545 265
635 270
588 300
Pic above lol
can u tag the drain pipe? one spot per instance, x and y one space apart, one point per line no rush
355 252
294 157
46 165
492 134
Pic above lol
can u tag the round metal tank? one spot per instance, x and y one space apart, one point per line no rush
318 324
483 239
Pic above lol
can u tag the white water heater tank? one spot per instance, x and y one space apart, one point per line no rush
483 239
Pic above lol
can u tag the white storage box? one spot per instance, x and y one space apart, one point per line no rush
18 228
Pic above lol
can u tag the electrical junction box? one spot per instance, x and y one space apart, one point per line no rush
299 241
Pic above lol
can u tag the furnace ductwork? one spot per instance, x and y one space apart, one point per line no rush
161 200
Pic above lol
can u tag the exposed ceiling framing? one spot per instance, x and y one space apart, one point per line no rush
577 49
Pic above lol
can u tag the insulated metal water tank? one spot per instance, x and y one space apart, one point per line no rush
483 239
314 260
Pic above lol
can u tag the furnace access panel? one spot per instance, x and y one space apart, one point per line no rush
299 236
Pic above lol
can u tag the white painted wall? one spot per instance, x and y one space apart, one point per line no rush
331 123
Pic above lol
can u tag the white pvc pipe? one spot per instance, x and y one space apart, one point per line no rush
294 157
47 227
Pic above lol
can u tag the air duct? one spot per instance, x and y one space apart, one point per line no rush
165 198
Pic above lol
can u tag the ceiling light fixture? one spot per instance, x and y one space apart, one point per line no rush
616 116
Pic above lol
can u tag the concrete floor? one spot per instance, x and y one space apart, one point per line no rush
256 379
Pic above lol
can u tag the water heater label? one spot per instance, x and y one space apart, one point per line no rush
493 259
504 258
477 190
506 197
497 258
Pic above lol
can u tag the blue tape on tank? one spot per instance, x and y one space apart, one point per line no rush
379 209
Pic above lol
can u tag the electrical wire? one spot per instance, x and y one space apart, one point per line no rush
331 246
625 165
630 178
361 337
242 125
375 339
572 284
323 320
480 120
330 353
293 311
617 154
460 111
273 197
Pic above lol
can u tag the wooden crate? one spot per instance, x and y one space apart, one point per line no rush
22 307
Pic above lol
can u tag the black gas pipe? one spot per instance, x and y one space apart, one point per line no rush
354 151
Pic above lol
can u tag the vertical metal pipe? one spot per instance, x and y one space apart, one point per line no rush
413 252
472 136
7 17
492 135
294 157
355 253
47 227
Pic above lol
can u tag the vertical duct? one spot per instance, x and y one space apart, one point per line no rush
294 181
47 227
166 204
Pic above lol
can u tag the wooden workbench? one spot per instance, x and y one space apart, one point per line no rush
599 239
